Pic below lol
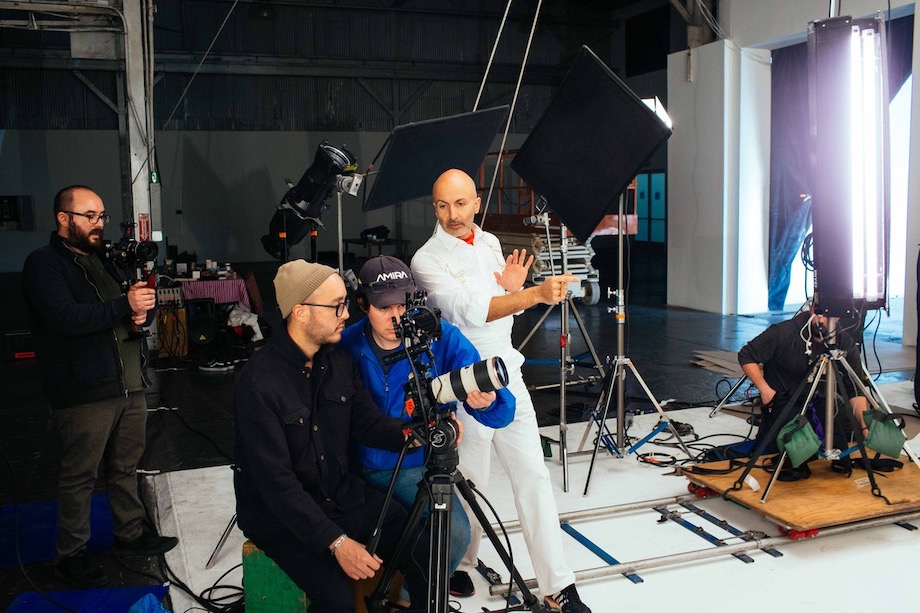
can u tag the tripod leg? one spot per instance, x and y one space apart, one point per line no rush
442 502
860 441
466 491
221 542
603 400
876 399
658 408
730 393
820 368
379 597
611 378
564 360
536 327
584 332
774 476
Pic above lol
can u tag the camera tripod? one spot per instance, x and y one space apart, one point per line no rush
436 492
566 365
825 366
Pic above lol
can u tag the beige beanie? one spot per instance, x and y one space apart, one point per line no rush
296 280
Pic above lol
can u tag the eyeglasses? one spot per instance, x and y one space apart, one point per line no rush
382 286
339 308
92 217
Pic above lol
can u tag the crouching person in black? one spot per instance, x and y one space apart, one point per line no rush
787 351
299 404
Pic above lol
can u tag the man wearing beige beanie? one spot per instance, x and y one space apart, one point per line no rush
299 404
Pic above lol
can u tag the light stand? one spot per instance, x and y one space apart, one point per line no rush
348 184
566 367
584 151
617 376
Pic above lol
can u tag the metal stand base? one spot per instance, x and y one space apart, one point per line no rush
619 375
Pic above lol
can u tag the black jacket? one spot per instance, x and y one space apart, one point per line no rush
782 351
74 328
293 440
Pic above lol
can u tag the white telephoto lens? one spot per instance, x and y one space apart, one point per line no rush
483 376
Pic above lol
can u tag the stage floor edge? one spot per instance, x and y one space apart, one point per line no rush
824 499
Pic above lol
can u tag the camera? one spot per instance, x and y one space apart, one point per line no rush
128 253
419 326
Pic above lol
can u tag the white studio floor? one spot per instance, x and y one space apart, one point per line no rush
872 569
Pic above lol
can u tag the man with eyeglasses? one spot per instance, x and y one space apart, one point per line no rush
93 374
384 282
299 406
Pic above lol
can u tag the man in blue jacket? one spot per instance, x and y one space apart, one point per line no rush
92 372
384 284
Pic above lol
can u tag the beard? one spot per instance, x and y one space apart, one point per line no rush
83 240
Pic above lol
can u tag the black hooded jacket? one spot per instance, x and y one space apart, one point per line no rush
74 328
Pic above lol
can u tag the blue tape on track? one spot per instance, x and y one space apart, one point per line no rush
603 555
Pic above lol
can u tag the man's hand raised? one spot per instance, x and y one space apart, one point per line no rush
515 273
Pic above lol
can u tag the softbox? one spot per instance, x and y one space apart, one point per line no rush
417 154
589 145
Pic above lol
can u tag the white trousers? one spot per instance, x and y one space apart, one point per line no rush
521 455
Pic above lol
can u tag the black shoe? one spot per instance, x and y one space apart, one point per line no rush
147 544
218 365
461 585
77 571
566 601
788 473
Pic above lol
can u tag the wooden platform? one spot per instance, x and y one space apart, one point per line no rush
824 499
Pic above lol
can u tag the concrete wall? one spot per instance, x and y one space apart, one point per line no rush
38 164
219 189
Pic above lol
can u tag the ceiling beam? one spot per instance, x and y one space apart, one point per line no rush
183 63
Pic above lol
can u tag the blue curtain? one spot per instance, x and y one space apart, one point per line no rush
790 214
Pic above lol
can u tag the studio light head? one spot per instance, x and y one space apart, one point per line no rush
308 197
848 104
304 203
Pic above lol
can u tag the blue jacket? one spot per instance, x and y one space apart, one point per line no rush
451 351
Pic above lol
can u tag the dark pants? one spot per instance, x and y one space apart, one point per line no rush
108 434
319 575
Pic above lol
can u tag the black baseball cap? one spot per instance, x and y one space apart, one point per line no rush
385 280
